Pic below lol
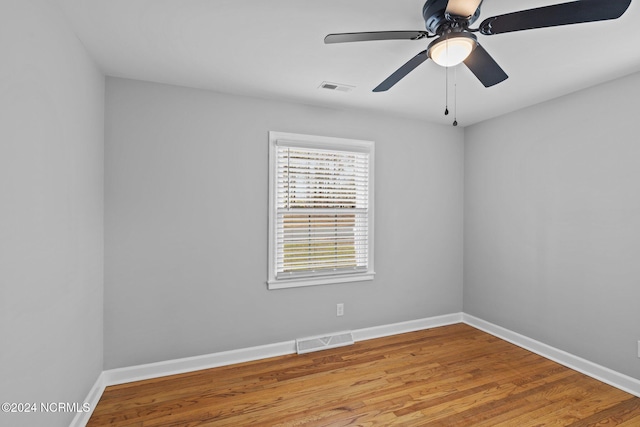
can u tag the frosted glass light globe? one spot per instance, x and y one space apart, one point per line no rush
451 51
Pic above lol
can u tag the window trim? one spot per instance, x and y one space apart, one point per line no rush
326 143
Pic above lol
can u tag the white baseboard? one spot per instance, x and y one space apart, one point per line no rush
196 363
593 370
82 418
404 327
214 360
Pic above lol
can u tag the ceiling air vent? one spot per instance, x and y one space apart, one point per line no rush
336 86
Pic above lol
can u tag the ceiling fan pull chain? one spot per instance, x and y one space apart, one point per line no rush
446 91
455 96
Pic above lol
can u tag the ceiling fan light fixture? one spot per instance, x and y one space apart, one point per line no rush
451 49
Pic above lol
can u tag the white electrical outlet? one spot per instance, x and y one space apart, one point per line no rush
340 309
638 348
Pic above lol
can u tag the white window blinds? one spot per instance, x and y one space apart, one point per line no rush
322 219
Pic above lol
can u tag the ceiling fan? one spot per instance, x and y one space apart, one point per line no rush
448 22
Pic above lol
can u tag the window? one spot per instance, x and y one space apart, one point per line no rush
320 210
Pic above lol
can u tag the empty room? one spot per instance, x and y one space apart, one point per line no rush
294 213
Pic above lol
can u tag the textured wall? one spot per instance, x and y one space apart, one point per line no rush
186 224
552 223
51 213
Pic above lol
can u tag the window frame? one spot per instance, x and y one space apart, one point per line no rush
323 143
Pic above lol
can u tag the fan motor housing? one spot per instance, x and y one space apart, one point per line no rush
436 20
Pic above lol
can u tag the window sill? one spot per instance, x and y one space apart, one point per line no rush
316 281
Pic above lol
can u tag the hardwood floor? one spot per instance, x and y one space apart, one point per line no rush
449 376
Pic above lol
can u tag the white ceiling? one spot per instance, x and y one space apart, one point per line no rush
275 49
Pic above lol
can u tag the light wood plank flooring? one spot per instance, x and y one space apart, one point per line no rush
449 376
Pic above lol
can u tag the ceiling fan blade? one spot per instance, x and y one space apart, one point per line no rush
484 67
574 12
463 8
402 71
374 35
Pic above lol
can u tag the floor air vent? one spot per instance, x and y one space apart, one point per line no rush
323 342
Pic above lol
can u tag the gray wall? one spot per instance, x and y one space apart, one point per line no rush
186 224
552 223
51 213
